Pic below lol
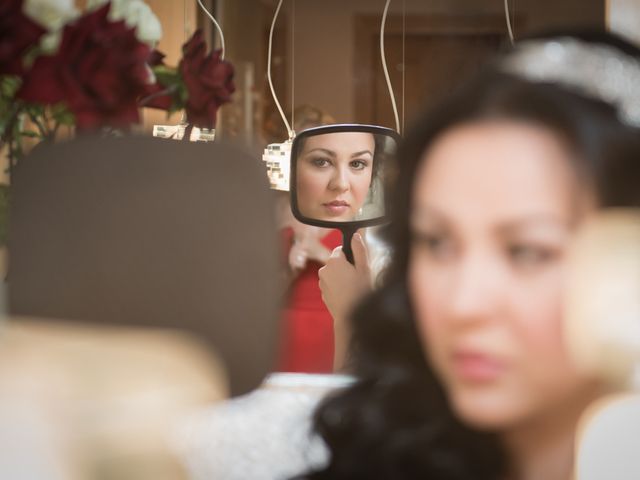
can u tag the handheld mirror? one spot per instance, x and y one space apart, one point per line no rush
340 176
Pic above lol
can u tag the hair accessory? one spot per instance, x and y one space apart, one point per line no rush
598 71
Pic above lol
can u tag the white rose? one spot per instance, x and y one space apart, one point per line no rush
52 15
136 14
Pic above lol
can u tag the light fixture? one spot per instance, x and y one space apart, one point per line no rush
277 157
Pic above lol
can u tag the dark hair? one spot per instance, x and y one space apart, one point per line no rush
395 421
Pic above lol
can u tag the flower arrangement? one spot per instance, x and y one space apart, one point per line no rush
200 85
94 70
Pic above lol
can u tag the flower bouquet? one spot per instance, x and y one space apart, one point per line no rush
94 70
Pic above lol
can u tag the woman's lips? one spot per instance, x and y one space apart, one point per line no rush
336 207
477 367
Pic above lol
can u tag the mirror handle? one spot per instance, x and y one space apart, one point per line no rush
347 235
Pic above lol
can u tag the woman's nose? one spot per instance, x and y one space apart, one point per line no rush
475 284
339 181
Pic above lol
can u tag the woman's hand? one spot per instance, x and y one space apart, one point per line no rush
307 245
342 286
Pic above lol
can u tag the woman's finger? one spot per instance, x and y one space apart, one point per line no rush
360 253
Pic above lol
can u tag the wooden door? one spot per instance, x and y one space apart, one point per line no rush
440 53
435 65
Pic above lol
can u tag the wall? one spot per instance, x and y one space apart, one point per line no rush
623 17
324 54
178 19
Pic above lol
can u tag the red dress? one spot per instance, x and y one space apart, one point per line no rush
308 342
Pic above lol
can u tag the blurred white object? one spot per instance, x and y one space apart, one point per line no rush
136 14
597 71
603 334
608 440
277 157
379 253
176 132
623 18
603 297
52 15
89 402
265 435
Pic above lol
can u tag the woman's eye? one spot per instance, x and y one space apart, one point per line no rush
358 164
320 162
529 256
435 245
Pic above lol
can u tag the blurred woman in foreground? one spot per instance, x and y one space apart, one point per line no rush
460 359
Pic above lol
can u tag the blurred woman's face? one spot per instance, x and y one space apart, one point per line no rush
334 174
493 209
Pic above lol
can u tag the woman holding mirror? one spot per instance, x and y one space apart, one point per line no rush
462 371
308 340
338 180
338 177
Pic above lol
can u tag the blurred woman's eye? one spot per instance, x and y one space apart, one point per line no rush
437 245
528 256
358 164
320 162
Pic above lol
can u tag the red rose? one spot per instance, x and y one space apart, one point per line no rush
99 72
209 81
17 34
156 95
156 57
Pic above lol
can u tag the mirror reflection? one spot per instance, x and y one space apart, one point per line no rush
339 176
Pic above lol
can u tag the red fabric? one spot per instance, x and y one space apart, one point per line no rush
308 341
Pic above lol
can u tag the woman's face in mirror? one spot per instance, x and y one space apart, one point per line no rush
334 173
494 207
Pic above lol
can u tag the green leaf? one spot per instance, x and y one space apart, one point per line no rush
173 109
35 109
9 85
5 116
7 113
4 212
30 134
62 115
183 94
166 76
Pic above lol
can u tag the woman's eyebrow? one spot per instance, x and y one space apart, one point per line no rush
532 222
331 153
363 152
425 215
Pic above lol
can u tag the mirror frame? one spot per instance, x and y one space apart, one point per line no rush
293 188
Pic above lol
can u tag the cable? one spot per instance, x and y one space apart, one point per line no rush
273 92
293 63
217 26
384 66
183 116
404 63
508 17
185 26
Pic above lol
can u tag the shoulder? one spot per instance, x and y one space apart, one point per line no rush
273 423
